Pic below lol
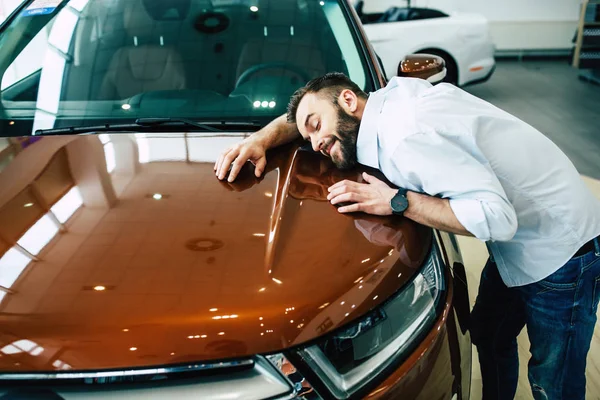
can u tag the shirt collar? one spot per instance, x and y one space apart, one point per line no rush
367 143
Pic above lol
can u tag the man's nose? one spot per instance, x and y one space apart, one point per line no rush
317 144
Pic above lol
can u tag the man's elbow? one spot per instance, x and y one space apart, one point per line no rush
505 228
505 233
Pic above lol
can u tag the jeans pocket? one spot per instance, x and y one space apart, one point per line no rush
565 278
545 287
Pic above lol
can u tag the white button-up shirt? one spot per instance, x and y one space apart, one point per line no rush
507 183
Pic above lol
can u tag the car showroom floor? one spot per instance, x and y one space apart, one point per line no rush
549 96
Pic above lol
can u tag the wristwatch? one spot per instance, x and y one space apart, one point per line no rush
399 202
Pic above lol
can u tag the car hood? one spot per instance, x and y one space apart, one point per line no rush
162 263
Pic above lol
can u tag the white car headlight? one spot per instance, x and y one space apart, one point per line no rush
350 359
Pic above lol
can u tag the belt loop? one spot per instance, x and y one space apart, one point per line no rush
597 246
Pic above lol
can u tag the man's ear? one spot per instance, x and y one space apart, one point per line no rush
348 100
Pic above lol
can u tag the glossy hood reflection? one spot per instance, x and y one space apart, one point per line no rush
151 260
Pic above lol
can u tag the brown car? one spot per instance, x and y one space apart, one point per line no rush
127 270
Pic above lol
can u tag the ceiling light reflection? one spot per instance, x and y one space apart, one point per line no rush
253 8
126 107
99 288
213 309
277 281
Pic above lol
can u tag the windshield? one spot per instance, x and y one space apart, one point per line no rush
91 62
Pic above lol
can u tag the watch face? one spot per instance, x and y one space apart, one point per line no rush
399 203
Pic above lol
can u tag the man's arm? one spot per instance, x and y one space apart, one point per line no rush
374 197
434 213
466 195
254 148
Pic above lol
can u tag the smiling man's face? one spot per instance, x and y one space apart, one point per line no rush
329 128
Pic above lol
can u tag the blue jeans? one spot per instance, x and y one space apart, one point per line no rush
560 314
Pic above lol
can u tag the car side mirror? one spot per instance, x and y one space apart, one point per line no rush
430 67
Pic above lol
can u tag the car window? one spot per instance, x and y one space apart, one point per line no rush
94 60
427 13
414 14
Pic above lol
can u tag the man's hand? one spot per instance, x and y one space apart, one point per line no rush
372 197
253 149
250 149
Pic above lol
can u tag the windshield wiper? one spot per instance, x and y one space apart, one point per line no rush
146 124
178 121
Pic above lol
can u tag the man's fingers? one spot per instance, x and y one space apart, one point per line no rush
345 188
227 160
370 178
259 167
346 197
345 182
237 166
337 192
337 185
220 160
351 208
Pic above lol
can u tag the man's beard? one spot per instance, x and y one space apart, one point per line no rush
347 130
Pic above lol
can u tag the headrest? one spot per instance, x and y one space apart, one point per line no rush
143 18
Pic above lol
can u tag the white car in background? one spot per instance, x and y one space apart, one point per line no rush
462 40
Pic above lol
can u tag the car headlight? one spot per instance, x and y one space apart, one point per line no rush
349 360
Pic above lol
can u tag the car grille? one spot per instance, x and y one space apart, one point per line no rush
251 379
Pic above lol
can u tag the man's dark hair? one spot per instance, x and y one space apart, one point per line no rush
330 85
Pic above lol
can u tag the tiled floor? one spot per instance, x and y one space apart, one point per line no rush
549 96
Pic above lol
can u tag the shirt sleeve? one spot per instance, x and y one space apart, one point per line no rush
441 167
